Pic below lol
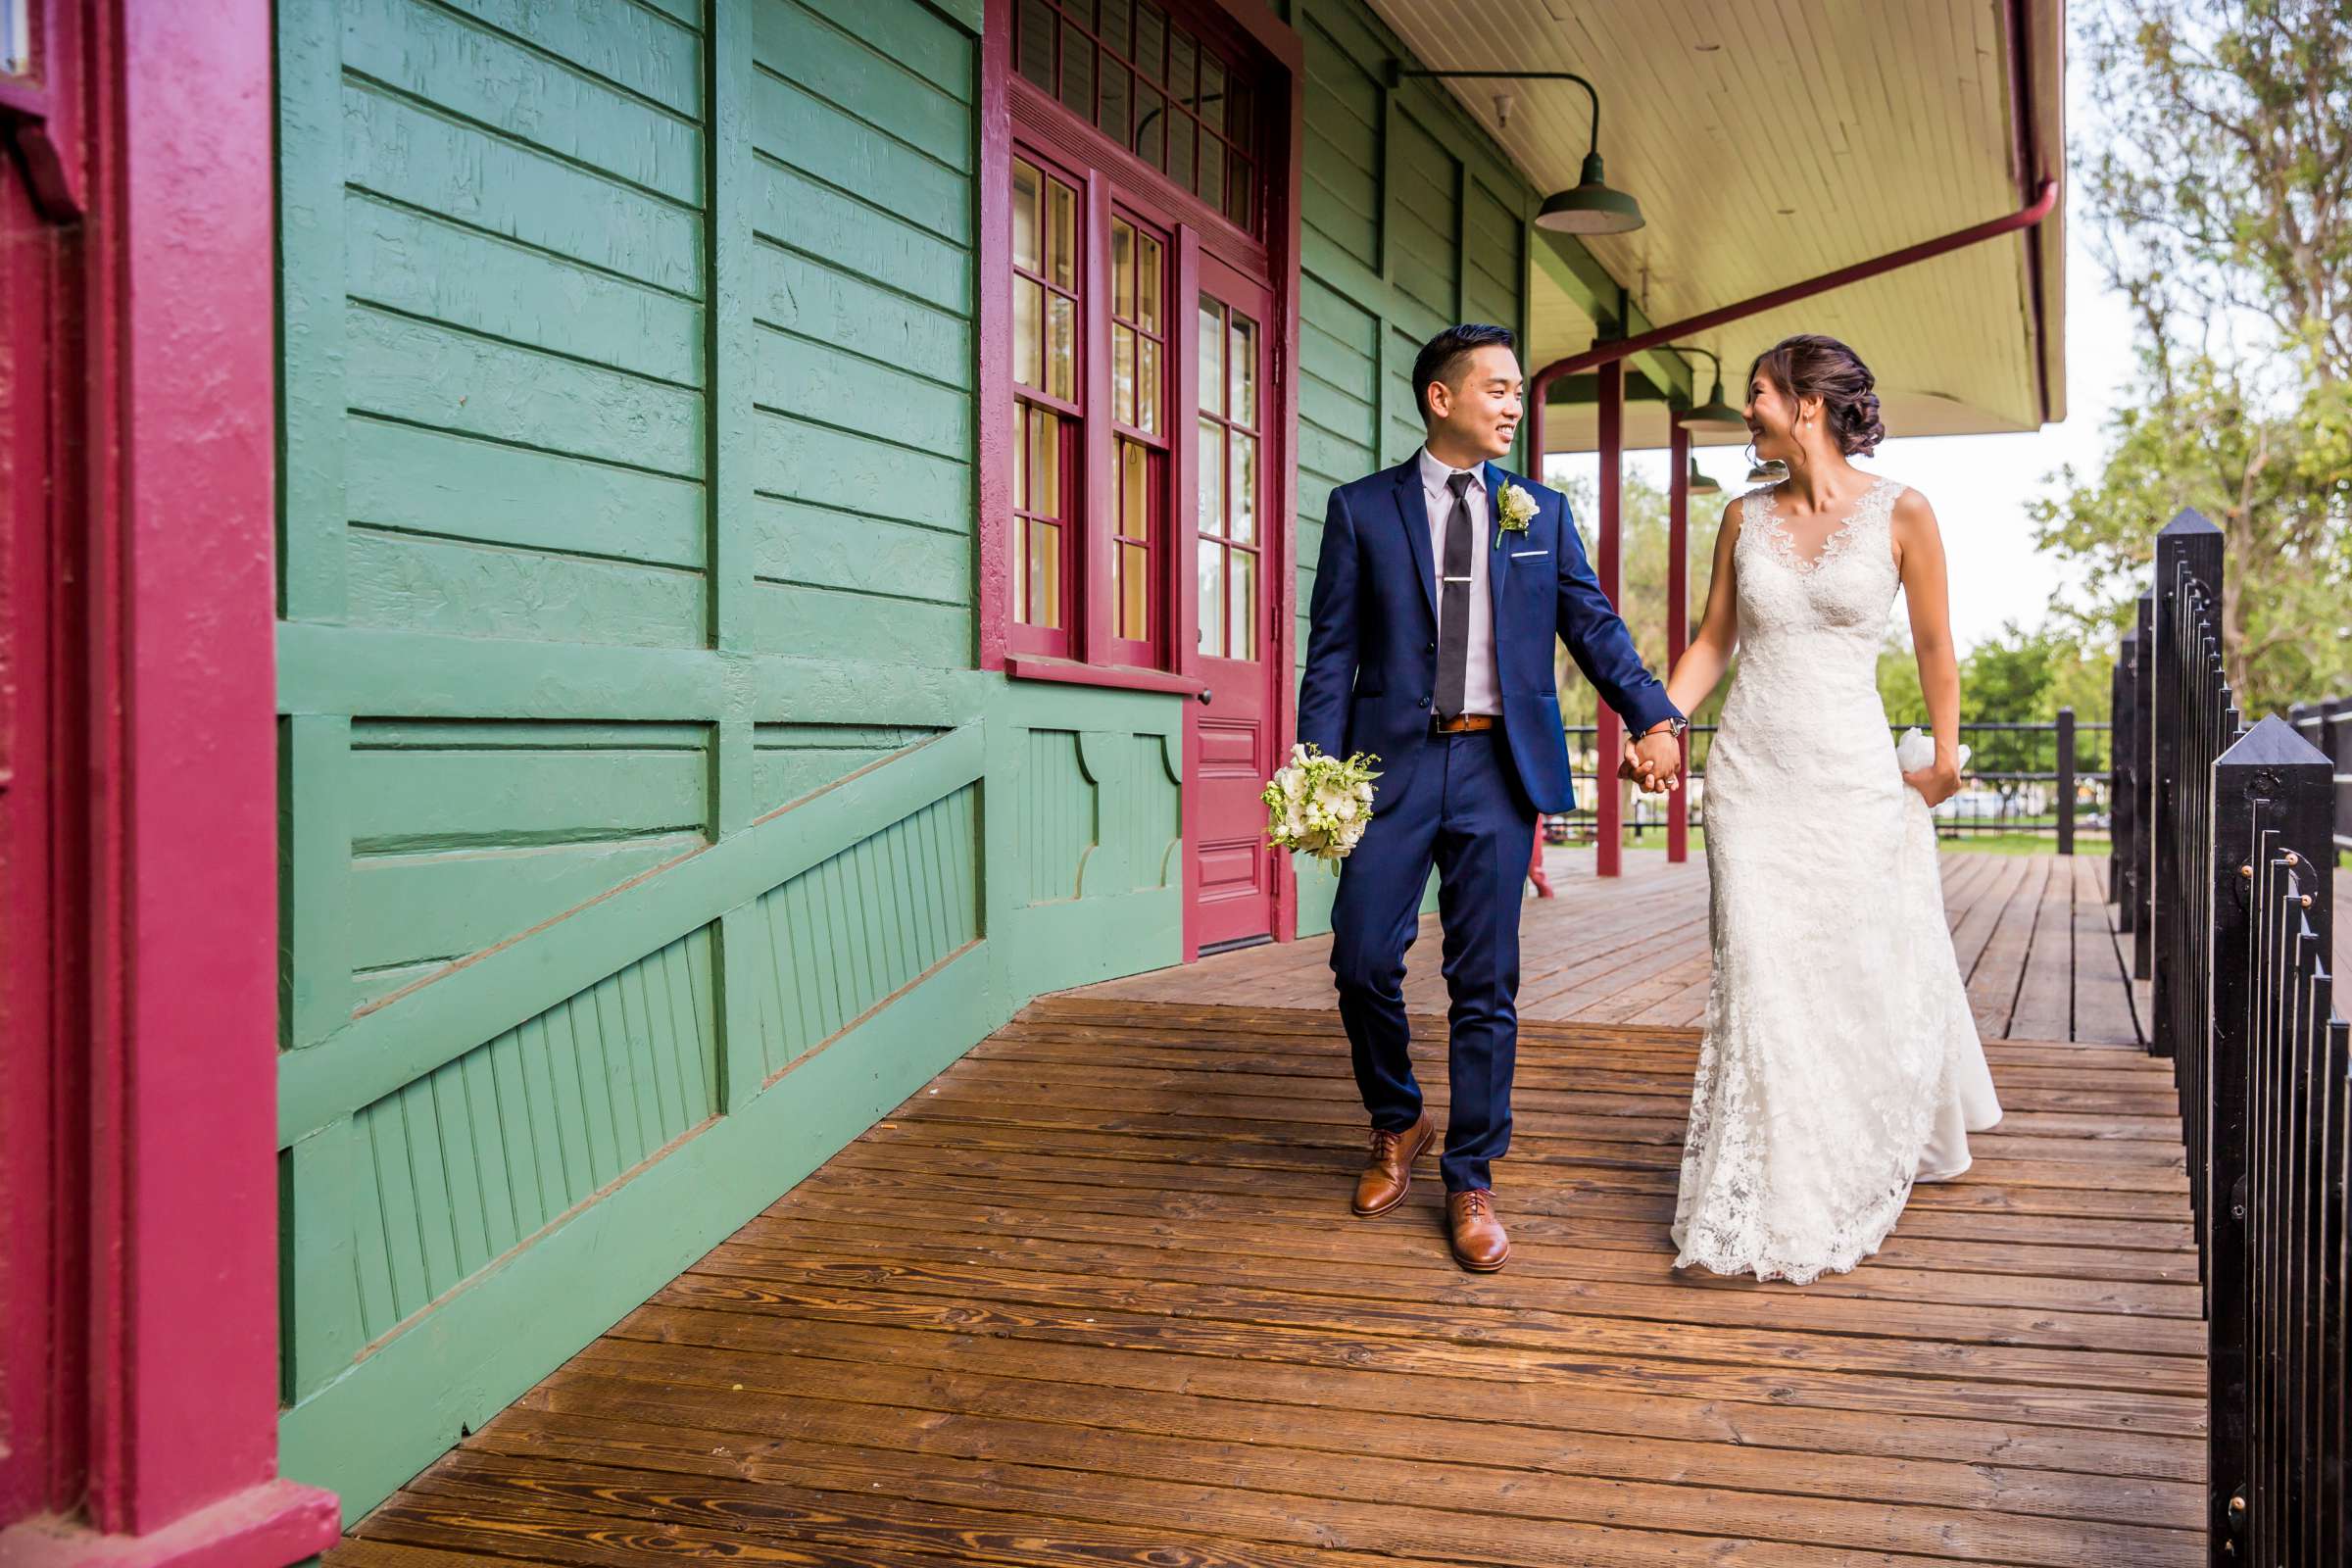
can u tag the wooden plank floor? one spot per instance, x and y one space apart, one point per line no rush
1094 1296
2034 934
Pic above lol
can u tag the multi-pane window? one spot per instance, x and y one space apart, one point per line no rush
1154 86
1045 404
1138 421
1229 550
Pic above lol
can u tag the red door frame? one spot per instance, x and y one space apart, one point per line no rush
1276 257
141 1336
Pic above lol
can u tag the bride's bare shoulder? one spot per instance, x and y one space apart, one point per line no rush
1912 511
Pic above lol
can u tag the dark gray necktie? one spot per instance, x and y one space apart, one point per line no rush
1453 620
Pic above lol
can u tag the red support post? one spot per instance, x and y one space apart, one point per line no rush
152 1441
1678 618
1608 739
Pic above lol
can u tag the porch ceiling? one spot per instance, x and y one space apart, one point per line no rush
1772 140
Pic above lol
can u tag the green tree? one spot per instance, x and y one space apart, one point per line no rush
1898 681
2222 213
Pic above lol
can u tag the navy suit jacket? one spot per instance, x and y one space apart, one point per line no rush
1372 646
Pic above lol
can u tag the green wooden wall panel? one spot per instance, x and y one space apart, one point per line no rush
486 590
419 481
942 57
789 618
798 459
464 835
1059 823
872 552
788 760
425 373
925 187
657 58
849 933
457 1168
404 153
821 302
420 265
818 221
1340 182
428 787
689 12
834 57
412 910
472 71
827 383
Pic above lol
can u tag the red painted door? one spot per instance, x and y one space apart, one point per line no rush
1231 741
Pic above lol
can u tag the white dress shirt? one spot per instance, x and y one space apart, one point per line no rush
1482 691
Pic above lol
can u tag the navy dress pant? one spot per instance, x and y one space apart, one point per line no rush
1462 810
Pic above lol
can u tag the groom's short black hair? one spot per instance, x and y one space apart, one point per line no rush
1441 357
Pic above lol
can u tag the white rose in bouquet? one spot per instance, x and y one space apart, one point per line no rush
1320 805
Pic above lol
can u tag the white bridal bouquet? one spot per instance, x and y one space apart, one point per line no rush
1318 805
1917 750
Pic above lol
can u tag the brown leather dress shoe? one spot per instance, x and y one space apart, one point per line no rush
1389 1171
1479 1241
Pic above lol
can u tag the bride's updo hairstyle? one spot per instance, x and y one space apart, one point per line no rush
1810 365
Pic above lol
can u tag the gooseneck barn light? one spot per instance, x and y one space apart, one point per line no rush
1714 413
1590 206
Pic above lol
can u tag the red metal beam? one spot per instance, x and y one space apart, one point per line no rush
1607 739
1678 618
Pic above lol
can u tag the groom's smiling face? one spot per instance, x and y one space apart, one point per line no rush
1477 410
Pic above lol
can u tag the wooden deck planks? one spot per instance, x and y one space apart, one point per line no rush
1094 1294
2032 933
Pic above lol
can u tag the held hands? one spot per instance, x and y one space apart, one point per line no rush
1654 761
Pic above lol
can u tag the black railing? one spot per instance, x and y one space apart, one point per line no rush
2042 780
2327 726
2229 850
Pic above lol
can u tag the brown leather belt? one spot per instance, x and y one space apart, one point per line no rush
1463 723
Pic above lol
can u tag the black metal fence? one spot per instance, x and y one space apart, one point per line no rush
2225 850
2327 726
2042 780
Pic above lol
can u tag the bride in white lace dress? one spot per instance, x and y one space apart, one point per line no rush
1841 1061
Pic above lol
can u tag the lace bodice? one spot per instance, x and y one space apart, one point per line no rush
1847 588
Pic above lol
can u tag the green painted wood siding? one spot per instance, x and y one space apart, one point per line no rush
1411 219
646 830
861 342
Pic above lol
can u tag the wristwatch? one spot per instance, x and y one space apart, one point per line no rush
1674 727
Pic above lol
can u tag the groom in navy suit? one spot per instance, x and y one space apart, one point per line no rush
1440 586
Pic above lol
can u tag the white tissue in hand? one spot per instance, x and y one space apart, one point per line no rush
1916 750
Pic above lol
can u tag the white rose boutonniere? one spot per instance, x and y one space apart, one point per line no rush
1514 510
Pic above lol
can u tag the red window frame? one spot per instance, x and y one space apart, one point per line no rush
1020 120
1136 546
1048 486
